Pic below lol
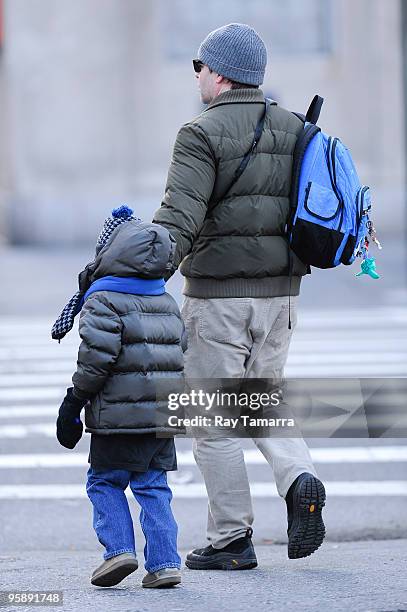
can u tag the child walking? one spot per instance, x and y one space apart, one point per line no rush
133 339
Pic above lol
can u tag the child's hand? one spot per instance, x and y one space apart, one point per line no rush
69 431
69 425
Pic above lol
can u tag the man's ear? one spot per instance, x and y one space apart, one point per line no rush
221 79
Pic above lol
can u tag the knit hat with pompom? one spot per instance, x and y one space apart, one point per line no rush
119 216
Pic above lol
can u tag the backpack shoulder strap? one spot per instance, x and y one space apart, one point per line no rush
242 166
302 143
300 116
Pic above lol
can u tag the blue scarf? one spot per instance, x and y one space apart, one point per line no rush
133 285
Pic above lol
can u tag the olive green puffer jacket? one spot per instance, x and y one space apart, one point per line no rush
239 249
131 354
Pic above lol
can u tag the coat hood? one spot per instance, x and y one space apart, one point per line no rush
135 249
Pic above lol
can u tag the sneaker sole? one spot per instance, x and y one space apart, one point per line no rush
115 574
308 530
223 562
166 582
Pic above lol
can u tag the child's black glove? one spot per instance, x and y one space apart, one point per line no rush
69 425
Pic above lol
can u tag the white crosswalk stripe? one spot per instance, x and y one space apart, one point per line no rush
35 371
30 411
197 490
352 454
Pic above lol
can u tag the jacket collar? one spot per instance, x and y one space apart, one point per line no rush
233 96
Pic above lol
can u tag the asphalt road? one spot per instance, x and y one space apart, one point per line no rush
363 576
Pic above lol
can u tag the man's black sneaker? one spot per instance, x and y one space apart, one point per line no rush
306 530
237 555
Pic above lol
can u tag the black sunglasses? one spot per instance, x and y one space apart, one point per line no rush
198 65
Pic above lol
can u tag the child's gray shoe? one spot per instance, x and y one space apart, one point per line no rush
167 577
113 570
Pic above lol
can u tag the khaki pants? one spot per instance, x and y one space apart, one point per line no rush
240 338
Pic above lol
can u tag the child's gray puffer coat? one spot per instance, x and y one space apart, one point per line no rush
132 345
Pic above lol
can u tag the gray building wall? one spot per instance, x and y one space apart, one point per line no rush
81 98
5 169
97 90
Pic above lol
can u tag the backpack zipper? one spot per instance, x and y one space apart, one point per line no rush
333 165
332 142
361 195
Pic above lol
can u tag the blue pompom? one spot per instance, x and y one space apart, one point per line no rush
122 212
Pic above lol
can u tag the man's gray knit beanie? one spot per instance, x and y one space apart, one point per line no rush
236 52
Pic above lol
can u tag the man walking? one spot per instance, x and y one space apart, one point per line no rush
234 255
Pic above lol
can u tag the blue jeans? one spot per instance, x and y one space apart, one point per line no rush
112 520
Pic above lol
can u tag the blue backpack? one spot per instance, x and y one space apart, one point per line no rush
328 221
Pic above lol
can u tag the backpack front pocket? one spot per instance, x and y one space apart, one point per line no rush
321 203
